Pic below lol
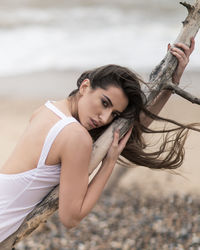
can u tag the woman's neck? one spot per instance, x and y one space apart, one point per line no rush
72 105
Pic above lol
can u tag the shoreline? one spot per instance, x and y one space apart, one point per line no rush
58 84
39 85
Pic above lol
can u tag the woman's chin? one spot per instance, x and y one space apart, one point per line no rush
85 125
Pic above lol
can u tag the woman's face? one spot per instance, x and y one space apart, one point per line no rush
99 107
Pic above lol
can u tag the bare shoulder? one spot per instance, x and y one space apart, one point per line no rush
76 136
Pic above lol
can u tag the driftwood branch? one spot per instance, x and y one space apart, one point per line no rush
162 73
159 77
186 95
189 7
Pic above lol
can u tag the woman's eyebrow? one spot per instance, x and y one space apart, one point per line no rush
108 99
110 103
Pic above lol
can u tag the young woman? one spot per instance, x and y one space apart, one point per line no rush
57 144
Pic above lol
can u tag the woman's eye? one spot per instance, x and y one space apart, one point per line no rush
105 103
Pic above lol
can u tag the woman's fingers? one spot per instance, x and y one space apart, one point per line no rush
120 144
179 52
185 49
192 45
117 146
182 52
181 56
182 49
116 138
124 140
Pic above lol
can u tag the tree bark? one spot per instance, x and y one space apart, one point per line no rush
186 95
159 79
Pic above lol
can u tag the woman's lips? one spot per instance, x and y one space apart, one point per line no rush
93 123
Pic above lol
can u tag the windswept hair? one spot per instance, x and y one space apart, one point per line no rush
170 153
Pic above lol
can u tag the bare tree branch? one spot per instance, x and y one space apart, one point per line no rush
162 74
186 95
159 77
188 6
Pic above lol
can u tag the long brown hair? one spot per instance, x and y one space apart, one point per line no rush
170 153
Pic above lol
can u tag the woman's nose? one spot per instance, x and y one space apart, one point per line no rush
105 116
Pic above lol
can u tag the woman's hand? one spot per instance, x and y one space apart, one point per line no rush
117 146
182 52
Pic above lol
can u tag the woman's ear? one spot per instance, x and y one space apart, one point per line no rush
85 86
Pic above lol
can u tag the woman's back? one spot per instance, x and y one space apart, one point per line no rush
23 188
27 151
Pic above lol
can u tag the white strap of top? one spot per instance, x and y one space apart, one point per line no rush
53 108
54 131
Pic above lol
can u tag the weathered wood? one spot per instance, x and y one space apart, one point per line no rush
160 76
186 95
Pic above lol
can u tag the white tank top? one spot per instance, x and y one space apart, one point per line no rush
20 193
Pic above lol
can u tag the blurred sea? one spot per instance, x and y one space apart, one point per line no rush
43 35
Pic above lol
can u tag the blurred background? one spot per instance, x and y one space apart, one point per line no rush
61 35
44 46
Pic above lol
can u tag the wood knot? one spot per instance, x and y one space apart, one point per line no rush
185 22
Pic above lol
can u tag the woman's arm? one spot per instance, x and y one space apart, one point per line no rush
182 53
76 196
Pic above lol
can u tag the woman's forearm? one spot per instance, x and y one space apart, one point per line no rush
82 207
182 53
96 187
156 107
